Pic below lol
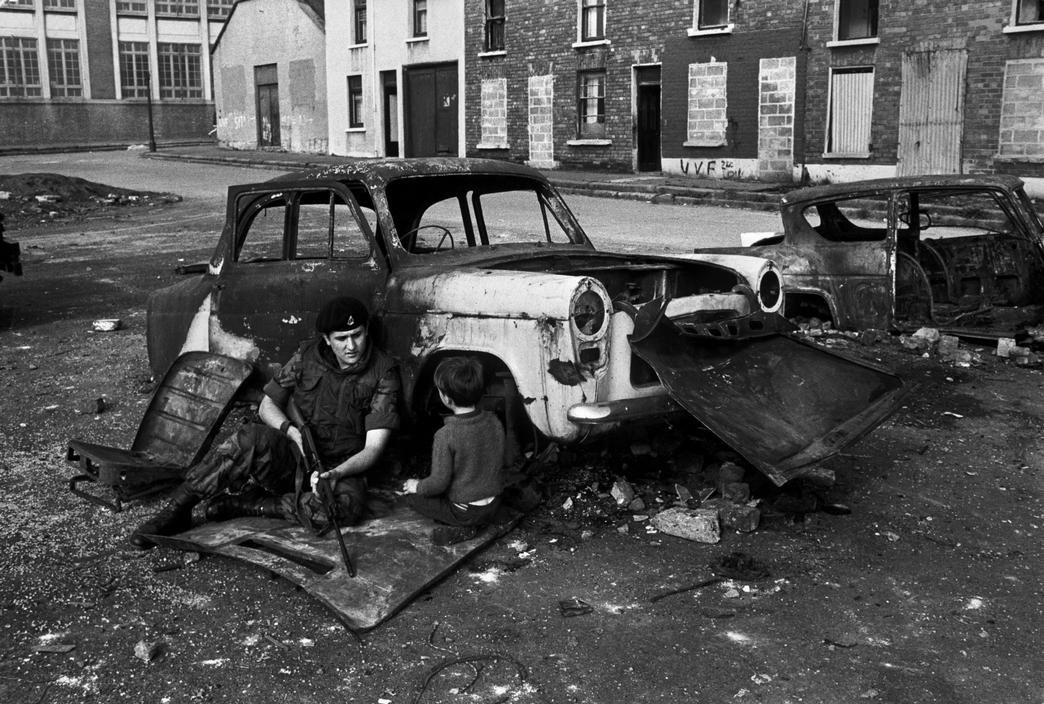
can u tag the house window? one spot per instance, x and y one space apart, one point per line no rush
19 68
592 20
63 62
851 108
179 71
856 19
420 18
359 23
59 4
131 7
355 101
219 9
712 14
494 25
1029 12
134 69
177 8
590 107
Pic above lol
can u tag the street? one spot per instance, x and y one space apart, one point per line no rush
927 591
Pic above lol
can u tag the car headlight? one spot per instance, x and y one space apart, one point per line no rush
588 313
770 290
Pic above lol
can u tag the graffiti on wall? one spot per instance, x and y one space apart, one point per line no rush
719 168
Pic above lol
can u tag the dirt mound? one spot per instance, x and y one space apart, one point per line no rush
29 199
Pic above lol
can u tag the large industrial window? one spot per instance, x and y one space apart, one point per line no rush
712 14
856 19
59 4
131 7
177 8
494 25
591 104
19 68
359 22
1029 12
134 69
219 9
28 4
851 109
420 18
63 62
355 101
592 20
180 73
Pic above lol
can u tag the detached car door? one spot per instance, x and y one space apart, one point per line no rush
293 249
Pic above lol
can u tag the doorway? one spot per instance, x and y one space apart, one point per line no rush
647 129
266 80
391 113
931 111
431 110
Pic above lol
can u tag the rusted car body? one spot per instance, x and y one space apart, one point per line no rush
948 250
438 250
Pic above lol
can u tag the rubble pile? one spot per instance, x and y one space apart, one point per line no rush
31 198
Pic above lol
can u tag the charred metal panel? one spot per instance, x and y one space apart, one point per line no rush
781 403
394 558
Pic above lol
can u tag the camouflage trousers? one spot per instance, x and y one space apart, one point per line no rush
258 462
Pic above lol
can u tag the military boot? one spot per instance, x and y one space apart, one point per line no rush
228 506
173 518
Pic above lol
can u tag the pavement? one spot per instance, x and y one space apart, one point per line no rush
649 187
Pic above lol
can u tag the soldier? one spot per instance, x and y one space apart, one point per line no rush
348 393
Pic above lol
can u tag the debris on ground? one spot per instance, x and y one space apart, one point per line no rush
32 198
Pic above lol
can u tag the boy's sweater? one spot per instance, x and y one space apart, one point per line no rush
467 459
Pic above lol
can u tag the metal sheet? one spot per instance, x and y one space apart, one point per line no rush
781 403
394 558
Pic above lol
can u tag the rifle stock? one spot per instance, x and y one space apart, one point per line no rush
324 487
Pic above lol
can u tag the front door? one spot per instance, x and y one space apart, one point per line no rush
931 111
431 110
391 113
267 82
647 136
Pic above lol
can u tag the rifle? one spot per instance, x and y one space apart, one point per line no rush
324 487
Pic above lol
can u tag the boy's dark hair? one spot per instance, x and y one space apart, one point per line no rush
461 379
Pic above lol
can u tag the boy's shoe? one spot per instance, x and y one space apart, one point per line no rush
448 535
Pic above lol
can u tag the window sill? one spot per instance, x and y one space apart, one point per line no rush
591 43
492 54
853 155
355 130
696 32
589 142
360 45
416 40
715 143
491 145
842 43
1021 28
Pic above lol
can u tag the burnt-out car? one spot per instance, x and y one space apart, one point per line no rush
949 250
483 257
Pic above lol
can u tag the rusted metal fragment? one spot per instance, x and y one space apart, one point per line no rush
781 403
565 372
394 558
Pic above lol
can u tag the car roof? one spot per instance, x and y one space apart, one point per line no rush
378 171
902 183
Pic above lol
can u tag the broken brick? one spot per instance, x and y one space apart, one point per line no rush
698 524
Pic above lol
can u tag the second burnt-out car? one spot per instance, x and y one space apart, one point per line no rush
482 257
948 250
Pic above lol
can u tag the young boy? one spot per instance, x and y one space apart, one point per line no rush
466 480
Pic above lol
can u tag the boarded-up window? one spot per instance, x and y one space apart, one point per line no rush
494 113
707 119
1022 117
851 109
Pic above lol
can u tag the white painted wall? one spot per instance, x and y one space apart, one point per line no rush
389 47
